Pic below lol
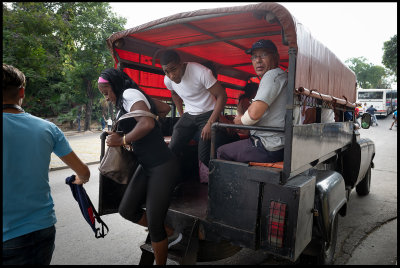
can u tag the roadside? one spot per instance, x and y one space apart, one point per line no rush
86 145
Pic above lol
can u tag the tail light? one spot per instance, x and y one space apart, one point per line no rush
277 223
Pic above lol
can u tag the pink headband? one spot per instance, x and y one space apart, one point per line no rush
102 80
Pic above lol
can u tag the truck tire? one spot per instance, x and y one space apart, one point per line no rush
364 186
213 251
326 251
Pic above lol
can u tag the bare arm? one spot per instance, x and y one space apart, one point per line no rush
81 169
143 126
162 108
219 93
178 102
255 110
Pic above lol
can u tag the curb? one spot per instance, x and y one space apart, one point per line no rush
80 133
65 167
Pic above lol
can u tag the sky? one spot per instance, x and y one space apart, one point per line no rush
350 30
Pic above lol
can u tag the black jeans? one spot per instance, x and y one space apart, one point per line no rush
185 130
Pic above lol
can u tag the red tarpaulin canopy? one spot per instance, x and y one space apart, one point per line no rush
221 35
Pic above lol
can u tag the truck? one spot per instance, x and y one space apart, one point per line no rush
289 209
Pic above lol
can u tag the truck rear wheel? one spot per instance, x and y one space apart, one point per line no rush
364 186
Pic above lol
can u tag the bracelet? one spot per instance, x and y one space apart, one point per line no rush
246 119
124 140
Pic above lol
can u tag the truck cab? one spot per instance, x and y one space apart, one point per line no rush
290 209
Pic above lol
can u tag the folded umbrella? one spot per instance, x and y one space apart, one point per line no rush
87 208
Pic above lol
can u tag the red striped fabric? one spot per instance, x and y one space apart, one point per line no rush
277 213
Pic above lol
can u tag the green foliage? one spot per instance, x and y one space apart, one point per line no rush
68 116
61 48
390 55
369 75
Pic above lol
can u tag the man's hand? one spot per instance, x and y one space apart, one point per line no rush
206 132
237 120
79 180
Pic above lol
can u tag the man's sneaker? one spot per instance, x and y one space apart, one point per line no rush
174 239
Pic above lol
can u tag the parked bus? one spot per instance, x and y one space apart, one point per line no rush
384 100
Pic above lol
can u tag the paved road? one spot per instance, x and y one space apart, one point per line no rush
85 144
368 233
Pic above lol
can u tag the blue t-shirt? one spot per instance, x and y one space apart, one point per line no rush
28 142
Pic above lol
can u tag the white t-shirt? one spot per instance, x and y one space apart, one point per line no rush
327 115
193 88
131 96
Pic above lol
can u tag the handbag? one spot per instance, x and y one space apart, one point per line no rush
119 163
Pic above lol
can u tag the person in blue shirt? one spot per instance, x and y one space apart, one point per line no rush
395 119
371 110
28 208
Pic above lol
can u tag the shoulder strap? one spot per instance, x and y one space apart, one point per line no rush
137 113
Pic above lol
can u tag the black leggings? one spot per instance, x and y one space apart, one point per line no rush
152 187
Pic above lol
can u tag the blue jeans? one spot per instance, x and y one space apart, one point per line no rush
375 119
33 248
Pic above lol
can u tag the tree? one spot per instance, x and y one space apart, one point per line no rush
368 75
91 24
389 59
32 44
61 48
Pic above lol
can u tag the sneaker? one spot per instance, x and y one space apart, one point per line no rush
174 239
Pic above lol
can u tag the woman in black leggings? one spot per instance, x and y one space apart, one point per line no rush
154 181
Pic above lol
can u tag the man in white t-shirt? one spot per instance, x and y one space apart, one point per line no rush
267 109
194 85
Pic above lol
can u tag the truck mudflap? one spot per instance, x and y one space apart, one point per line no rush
330 198
250 208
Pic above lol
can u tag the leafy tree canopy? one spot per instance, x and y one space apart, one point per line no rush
61 48
390 55
368 75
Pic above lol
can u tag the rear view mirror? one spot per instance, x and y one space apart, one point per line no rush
366 120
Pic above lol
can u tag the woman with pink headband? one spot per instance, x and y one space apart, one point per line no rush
155 180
